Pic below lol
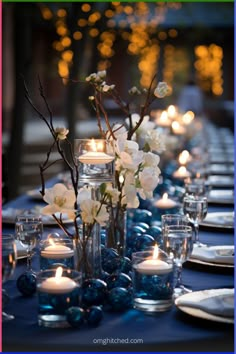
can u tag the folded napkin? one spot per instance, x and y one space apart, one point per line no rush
220 305
214 254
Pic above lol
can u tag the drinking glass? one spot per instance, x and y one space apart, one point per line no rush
195 208
9 258
178 243
172 220
195 187
29 230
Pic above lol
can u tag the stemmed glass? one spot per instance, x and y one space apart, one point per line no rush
29 230
9 259
195 208
178 243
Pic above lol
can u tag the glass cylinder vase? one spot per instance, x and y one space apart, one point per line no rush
116 230
87 251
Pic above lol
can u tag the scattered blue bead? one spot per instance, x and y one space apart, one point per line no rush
94 315
144 225
119 299
75 316
93 292
118 280
144 242
26 283
142 215
110 260
125 265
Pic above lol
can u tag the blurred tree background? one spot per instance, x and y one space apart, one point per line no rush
132 41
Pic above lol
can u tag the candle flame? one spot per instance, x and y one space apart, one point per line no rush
188 117
164 116
165 196
183 157
182 169
198 175
171 110
59 272
93 145
155 252
52 243
175 125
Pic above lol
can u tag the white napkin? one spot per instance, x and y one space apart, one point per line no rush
220 305
214 254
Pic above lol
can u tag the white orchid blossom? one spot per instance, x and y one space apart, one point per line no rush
113 193
84 193
155 141
59 199
61 133
161 90
92 210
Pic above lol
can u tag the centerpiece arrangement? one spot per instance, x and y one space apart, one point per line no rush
132 146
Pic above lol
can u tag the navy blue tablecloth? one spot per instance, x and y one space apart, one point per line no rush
132 330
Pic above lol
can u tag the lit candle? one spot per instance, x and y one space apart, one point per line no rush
181 173
57 251
171 110
165 202
188 117
57 284
96 156
163 120
184 157
153 265
177 128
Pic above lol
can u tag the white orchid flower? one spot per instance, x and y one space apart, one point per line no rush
84 193
161 90
60 199
91 210
130 198
61 133
144 126
155 141
151 160
148 179
113 193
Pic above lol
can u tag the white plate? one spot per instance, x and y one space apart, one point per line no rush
223 220
35 194
221 196
216 256
221 169
196 296
221 181
9 216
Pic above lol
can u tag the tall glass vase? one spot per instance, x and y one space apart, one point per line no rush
116 230
87 249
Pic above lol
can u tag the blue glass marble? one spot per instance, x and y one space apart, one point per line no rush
110 260
156 232
26 283
144 225
119 299
142 215
144 242
125 265
93 292
94 315
118 280
75 316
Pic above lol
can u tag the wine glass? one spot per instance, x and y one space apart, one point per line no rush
195 208
29 230
178 243
9 259
173 219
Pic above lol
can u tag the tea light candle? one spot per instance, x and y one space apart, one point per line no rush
154 265
163 120
177 128
181 173
184 157
57 251
57 284
165 202
95 158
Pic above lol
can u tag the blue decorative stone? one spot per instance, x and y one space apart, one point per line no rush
118 280
125 265
156 232
93 292
110 260
142 215
94 315
75 316
144 225
144 242
119 299
26 283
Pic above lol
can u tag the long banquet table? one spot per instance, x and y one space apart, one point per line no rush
166 331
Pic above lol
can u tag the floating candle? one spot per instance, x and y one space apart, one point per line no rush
57 251
184 157
163 120
153 265
57 284
165 202
95 158
177 128
181 173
